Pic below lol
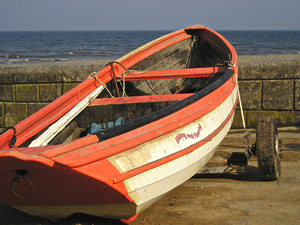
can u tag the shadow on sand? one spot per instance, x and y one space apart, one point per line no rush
10 216
252 173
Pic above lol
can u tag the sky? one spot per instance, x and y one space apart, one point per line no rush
37 15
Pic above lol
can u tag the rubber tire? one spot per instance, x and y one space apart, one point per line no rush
267 149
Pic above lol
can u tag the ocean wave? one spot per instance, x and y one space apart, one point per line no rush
15 61
12 56
51 60
60 46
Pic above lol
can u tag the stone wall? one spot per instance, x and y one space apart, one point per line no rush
26 89
269 86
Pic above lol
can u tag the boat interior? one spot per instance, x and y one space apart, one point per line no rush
137 98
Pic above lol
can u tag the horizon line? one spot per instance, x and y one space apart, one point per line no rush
75 30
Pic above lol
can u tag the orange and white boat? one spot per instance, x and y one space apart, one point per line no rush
177 96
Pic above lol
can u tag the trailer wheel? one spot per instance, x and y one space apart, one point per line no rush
267 149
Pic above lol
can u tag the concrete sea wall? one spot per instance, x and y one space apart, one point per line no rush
269 86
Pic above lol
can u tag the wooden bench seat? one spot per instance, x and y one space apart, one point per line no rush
138 99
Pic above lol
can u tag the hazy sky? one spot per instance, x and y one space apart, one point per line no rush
148 14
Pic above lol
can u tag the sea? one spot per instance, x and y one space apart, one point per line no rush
49 46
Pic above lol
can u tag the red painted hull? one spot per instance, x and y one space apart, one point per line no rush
85 173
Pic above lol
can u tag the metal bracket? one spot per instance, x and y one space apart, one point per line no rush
21 176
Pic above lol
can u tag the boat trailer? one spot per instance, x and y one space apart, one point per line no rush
265 149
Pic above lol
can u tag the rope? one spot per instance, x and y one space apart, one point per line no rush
141 72
123 86
151 87
116 62
240 103
111 64
246 133
114 76
93 74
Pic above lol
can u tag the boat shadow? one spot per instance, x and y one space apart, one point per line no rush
252 173
13 216
84 219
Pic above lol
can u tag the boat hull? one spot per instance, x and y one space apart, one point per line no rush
147 187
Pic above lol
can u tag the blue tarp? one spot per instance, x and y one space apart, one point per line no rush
95 128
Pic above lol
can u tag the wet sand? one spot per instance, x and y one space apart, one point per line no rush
215 199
